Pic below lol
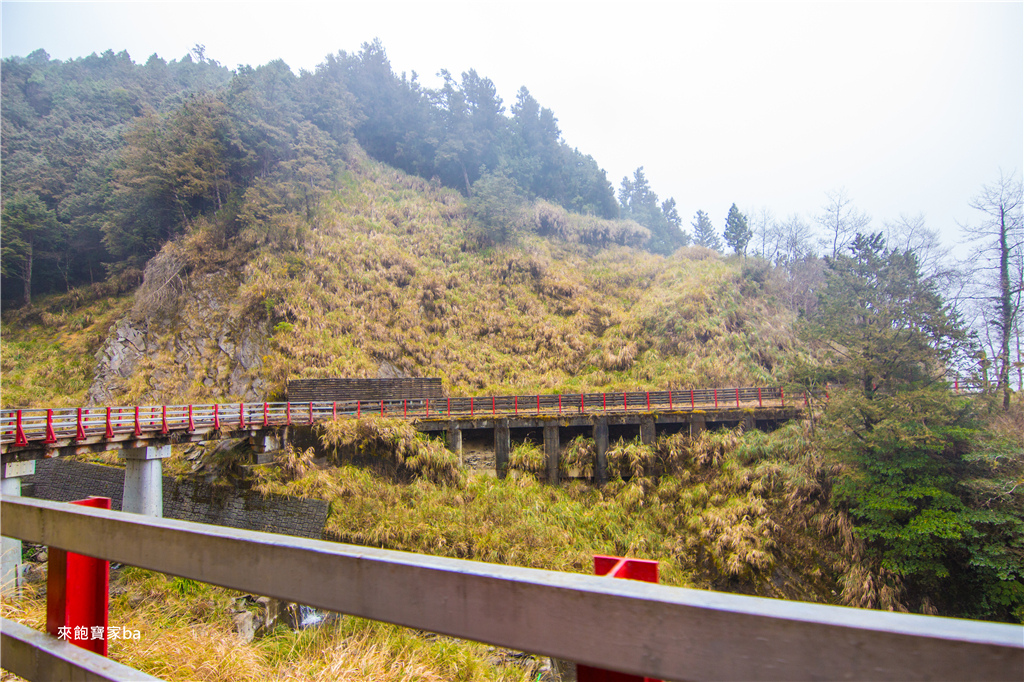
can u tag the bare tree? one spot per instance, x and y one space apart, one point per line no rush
910 233
766 236
998 241
840 221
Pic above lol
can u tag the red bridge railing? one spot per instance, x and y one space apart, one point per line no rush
19 427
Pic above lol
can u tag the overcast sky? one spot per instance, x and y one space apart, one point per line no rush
909 106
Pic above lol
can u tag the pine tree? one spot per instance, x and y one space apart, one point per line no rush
737 232
704 233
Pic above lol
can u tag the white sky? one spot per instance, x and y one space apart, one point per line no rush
909 106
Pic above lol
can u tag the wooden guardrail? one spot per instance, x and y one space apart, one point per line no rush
635 627
19 427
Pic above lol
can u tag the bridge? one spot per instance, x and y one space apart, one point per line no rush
143 435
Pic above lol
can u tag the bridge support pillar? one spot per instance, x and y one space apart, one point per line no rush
551 450
601 447
268 443
10 549
502 445
748 422
697 425
647 432
144 481
455 439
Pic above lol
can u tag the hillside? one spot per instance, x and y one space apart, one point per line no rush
398 276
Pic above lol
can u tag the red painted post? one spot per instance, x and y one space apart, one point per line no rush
670 400
782 393
51 437
693 405
604 401
80 431
216 417
288 413
471 406
334 410
382 408
583 404
78 594
19 433
428 407
191 419
494 405
109 432
648 401
163 420
138 426
359 408
716 398
559 403
737 397
405 408
449 406
759 403
241 415
629 569
625 401
311 412
538 404
266 416
516 400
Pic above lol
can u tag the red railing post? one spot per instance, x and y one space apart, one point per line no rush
266 415
559 403
625 401
80 430
405 408
494 405
310 412
693 405
737 397
288 413
782 394
138 426
516 401
630 569
604 401
191 419
78 594
109 432
163 419
382 408
449 406
538 404
648 401
334 410
19 432
759 403
216 416
241 415
471 406
716 398
583 405
428 407
51 437
359 408
670 400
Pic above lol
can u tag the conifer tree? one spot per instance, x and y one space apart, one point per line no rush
737 231
704 233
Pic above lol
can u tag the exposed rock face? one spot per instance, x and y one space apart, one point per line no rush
186 338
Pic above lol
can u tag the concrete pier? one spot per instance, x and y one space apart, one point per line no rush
502 444
10 549
143 480
647 432
601 448
551 449
455 439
